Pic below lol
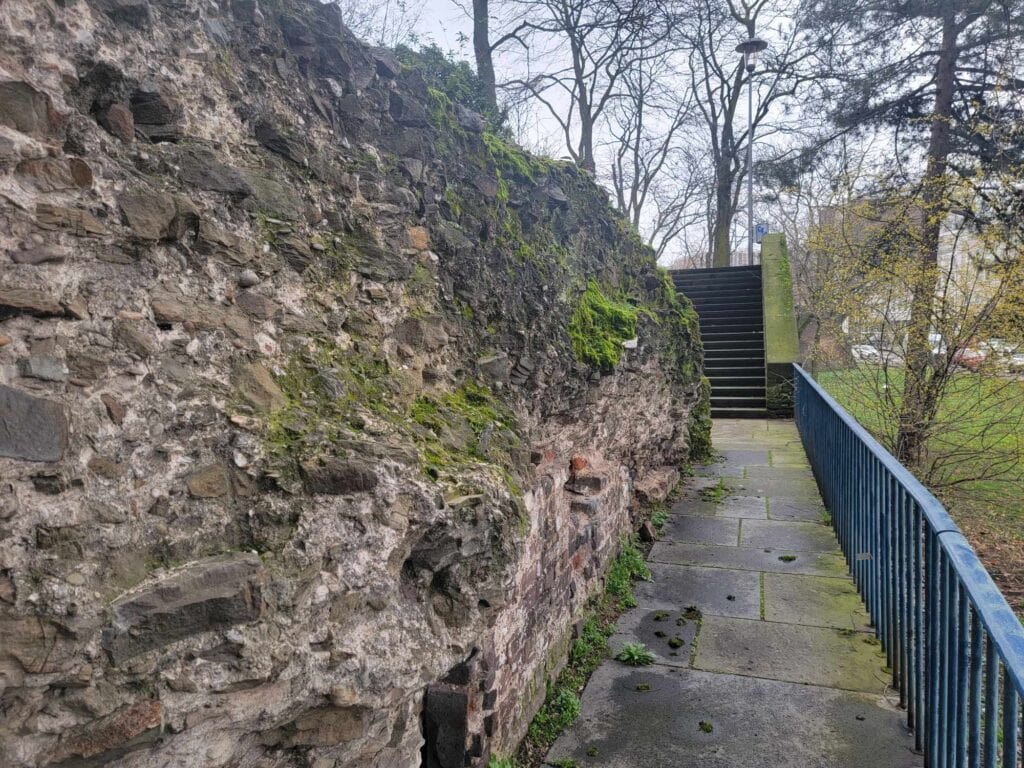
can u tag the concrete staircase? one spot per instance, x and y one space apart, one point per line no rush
730 306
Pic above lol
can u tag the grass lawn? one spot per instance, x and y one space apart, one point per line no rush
975 459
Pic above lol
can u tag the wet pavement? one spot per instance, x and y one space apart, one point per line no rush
764 654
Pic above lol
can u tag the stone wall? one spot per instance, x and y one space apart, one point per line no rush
298 463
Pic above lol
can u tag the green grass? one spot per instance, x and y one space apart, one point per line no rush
974 459
716 493
635 655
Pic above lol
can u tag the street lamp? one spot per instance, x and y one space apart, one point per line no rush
750 50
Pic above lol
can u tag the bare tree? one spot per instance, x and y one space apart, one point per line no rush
388 23
512 29
654 175
718 80
587 47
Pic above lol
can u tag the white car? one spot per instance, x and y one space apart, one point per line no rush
1016 362
866 353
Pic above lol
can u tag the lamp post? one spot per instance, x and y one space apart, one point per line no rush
750 49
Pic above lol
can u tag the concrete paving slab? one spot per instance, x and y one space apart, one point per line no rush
665 631
782 427
788 535
723 429
797 490
835 658
785 457
715 591
731 506
749 456
704 530
812 511
747 558
814 600
650 718
796 475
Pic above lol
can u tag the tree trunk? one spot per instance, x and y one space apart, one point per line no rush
919 398
482 51
586 145
721 247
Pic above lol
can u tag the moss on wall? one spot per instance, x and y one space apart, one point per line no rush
599 325
780 337
700 424
781 343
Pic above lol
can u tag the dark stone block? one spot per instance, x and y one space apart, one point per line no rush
135 13
103 741
445 726
25 109
31 428
338 476
201 169
208 594
152 107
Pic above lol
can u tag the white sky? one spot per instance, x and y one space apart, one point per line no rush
442 21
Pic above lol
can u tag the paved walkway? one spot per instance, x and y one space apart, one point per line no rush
779 667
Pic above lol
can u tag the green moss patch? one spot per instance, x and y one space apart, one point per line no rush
598 327
327 392
700 424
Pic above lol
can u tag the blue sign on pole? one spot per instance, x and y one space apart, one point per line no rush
760 231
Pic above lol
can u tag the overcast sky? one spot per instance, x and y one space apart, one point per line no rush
442 21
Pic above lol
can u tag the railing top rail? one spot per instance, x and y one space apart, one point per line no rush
937 515
998 618
1001 623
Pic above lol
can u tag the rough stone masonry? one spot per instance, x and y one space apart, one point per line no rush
300 461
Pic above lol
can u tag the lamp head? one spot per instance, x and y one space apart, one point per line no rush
750 50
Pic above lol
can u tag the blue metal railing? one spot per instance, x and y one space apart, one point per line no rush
955 647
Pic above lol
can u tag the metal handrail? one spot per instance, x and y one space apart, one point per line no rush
948 633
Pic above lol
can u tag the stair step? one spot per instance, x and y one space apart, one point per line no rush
736 335
713 323
717 345
727 391
747 303
738 310
725 300
729 308
739 413
753 380
719 288
727 374
724 356
739 402
718 363
694 289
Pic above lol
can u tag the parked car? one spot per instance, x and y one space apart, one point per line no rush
969 359
866 353
999 346
869 353
1016 362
